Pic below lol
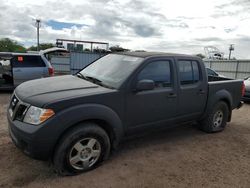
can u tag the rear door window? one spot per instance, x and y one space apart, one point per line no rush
188 71
196 72
27 61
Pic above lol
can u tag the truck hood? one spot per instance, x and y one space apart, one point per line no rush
46 90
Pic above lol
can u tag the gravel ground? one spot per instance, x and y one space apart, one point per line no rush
179 157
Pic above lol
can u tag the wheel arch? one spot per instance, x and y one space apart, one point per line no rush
101 115
221 95
229 108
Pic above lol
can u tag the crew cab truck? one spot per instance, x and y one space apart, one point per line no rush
76 120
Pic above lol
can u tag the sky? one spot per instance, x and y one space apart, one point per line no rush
178 26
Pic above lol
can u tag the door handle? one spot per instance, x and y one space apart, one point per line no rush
172 95
201 92
17 70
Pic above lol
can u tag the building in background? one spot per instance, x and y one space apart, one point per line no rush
80 45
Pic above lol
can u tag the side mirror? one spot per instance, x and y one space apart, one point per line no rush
143 85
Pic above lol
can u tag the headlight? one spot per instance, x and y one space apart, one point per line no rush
36 115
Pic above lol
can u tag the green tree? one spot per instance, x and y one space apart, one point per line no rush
200 56
118 48
8 45
86 50
42 46
140 50
99 50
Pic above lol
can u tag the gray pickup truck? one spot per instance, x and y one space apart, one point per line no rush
76 120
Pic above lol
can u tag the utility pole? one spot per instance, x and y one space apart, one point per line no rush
38 25
231 48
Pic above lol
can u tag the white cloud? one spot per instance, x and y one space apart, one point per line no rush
162 25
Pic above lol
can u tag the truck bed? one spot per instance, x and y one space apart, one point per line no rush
216 78
230 87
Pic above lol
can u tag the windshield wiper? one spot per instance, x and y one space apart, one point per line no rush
89 78
93 80
104 85
80 75
98 82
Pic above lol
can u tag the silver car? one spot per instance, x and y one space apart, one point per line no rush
246 97
211 72
16 68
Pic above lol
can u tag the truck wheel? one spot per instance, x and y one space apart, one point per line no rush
216 119
81 149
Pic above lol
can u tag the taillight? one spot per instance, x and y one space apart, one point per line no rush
51 71
243 89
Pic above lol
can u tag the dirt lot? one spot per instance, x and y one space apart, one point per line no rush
180 157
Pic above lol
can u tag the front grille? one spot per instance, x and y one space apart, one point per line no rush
18 108
20 112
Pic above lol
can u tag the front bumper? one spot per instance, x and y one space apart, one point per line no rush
28 138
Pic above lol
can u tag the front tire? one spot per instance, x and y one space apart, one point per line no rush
216 119
81 149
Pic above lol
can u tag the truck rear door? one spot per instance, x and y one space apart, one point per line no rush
27 67
192 89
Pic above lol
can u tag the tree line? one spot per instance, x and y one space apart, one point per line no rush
9 45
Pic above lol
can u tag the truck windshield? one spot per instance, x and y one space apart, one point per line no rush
111 70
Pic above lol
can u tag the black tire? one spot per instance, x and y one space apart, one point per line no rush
213 122
81 133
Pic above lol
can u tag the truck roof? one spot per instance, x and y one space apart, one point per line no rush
153 54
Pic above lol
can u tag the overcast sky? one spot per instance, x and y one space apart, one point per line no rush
183 26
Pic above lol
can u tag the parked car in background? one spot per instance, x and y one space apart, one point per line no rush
17 68
211 72
75 120
246 97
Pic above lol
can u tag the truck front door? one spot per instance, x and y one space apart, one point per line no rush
157 105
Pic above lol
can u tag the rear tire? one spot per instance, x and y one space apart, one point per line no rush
216 119
81 149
